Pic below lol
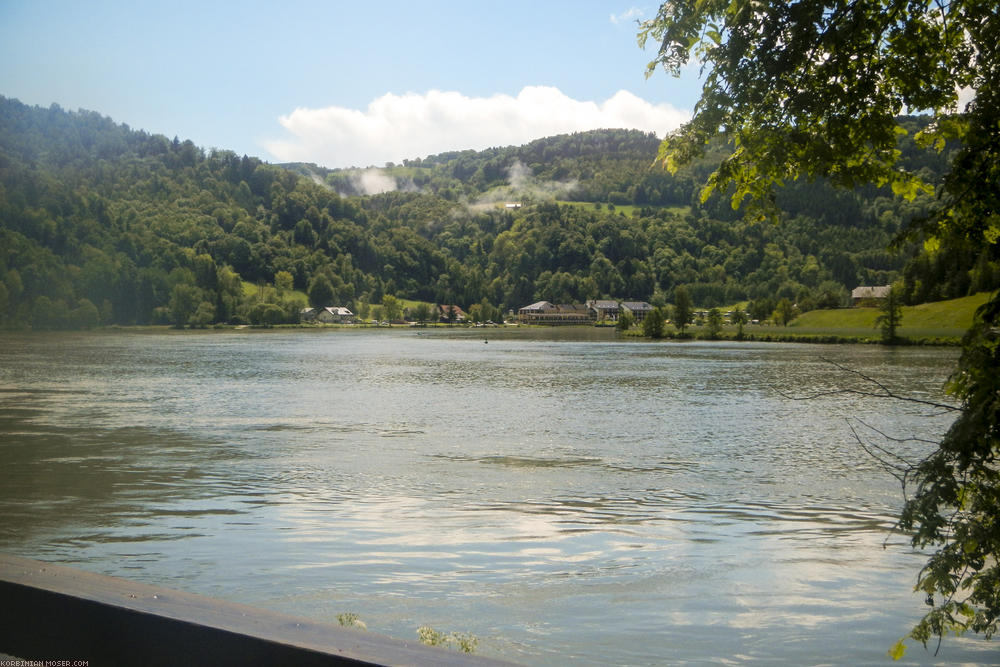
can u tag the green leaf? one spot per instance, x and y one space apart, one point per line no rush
904 188
992 231
898 650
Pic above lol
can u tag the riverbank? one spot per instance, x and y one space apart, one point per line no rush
751 333
942 323
785 335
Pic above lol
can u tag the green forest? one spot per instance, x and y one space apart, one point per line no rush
101 224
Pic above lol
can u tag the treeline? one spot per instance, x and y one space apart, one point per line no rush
101 224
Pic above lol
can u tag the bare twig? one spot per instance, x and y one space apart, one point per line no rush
882 392
898 468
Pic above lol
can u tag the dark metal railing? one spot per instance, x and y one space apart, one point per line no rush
68 616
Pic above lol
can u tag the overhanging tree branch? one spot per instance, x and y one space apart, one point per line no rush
883 391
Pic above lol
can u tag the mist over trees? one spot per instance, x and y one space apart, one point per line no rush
101 224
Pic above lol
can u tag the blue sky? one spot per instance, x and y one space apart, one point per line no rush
342 83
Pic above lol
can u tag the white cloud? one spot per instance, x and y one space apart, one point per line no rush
631 14
395 127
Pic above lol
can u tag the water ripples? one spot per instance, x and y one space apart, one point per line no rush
584 501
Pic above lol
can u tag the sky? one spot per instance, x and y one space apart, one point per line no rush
343 84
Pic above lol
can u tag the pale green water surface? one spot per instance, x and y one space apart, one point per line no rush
567 497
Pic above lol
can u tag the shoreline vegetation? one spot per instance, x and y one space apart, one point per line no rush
107 226
941 323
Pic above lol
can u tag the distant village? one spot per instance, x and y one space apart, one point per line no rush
593 312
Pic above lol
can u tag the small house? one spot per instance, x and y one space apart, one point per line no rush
451 313
869 293
335 315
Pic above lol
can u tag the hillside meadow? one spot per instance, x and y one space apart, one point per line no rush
941 319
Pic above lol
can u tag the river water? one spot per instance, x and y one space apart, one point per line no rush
566 497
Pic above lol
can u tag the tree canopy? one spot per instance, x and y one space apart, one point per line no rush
96 217
809 90
812 89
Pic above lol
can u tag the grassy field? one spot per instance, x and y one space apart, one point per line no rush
625 209
410 303
940 323
942 319
253 289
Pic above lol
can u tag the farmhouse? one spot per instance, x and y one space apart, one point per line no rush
335 315
869 293
447 313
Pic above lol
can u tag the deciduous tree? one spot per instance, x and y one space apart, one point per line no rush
714 323
625 321
321 292
392 308
812 89
784 312
739 318
682 308
283 282
184 300
890 316
652 324
203 315
421 312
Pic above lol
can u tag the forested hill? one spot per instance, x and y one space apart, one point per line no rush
602 166
101 224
